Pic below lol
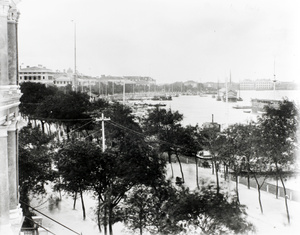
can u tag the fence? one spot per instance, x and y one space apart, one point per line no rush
270 188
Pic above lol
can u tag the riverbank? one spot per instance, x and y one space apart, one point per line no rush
273 221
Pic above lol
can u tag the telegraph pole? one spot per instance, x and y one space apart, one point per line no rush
102 119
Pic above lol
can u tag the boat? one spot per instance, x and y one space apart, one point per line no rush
258 105
242 107
218 93
231 96
239 98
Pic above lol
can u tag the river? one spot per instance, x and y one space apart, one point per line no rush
198 109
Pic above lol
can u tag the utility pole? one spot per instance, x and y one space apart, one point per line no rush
102 119
123 92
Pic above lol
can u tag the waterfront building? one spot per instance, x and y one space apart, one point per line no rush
247 85
62 80
139 80
264 84
37 74
11 216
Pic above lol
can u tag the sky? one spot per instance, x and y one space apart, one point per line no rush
168 40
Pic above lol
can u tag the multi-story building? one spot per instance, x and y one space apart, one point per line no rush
139 80
264 84
247 85
36 74
10 212
259 84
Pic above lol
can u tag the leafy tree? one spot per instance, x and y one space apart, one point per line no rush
213 141
165 210
34 164
33 94
127 161
164 126
144 208
278 137
75 161
191 143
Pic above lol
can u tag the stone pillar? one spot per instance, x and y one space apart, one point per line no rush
13 16
12 165
4 191
4 6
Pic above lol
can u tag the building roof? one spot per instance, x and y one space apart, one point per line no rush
38 68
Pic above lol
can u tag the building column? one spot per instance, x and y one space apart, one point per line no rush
4 6
15 211
5 227
12 21
12 165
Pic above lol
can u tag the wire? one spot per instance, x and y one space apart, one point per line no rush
57 119
39 225
143 135
49 217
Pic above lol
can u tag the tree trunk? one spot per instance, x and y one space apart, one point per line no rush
197 173
75 198
99 217
237 188
182 175
105 215
110 222
170 161
259 194
212 167
285 199
217 177
248 173
82 204
276 186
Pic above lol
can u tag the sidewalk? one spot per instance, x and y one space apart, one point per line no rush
273 221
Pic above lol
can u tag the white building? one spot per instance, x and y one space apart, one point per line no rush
38 74
11 216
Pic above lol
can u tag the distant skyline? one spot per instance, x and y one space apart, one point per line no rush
168 40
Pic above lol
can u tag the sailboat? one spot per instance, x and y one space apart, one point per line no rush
239 98
230 94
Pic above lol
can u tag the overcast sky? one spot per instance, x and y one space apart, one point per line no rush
169 40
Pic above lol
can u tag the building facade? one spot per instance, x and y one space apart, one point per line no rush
10 212
38 74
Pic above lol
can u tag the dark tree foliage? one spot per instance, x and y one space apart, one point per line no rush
32 95
213 141
75 161
34 164
278 137
191 142
164 126
165 210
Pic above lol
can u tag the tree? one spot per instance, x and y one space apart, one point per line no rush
191 142
127 161
34 164
164 125
213 141
33 95
165 210
75 161
278 137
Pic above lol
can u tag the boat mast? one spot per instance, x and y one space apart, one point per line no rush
274 80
